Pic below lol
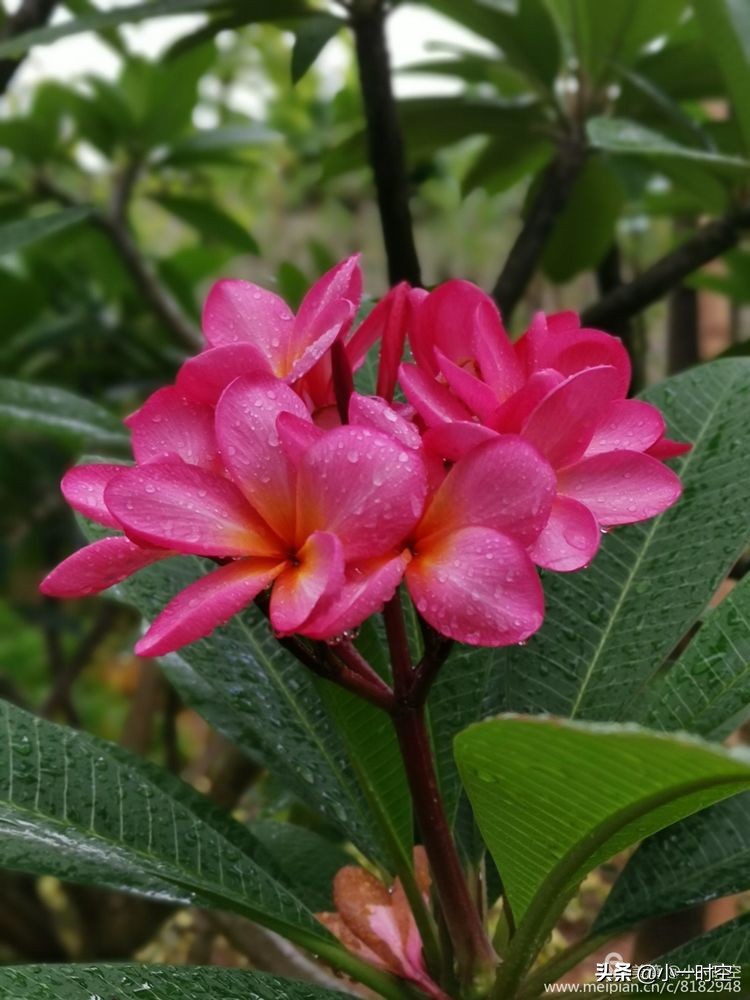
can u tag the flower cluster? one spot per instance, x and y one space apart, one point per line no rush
504 457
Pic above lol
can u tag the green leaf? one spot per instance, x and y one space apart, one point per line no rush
78 808
262 699
682 69
211 145
629 138
609 627
554 798
375 757
209 221
728 944
726 29
150 982
16 235
707 691
124 14
498 167
585 228
307 861
58 414
703 857
310 38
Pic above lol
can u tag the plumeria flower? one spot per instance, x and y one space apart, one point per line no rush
562 389
376 924
249 330
317 516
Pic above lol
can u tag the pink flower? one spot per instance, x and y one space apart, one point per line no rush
562 389
318 516
249 330
376 923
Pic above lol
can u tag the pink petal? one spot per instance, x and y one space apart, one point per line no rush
453 441
169 426
204 377
83 487
209 602
628 425
344 281
621 487
445 320
297 435
98 566
237 311
368 585
364 487
562 425
370 411
515 411
187 509
435 403
311 341
666 448
317 575
570 538
494 352
386 322
477 586
503 484
473 393
249 443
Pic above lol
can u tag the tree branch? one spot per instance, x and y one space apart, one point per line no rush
385 141
551 197
115 226
30 15
707 243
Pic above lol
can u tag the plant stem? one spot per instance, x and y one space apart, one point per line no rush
385 141
474 954
31 14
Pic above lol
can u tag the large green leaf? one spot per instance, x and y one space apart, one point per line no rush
703 857
57 414
629 138
608 628
150 982
726 29
209 145
707 691
16 235
262 699
209 220
311 37
79 808
727 944
554 798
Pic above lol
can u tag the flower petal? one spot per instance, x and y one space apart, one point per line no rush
515 411
98 566
169 426
477 586
666 448
318 574
621 487
569 539
364 904
435 403
475 394
445 320
182 507
204 377
209 602
237 311
503 484
494 352
386 323
371 411
562 425
364 487
297 435
311 342
628 425
344 281
453 441
83 487
249 443
366 588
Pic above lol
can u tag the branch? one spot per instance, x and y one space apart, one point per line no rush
30 15
115 226
385 141
59 696
551 197
707 243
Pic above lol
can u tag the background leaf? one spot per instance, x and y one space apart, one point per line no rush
57 414
16 235
725 26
